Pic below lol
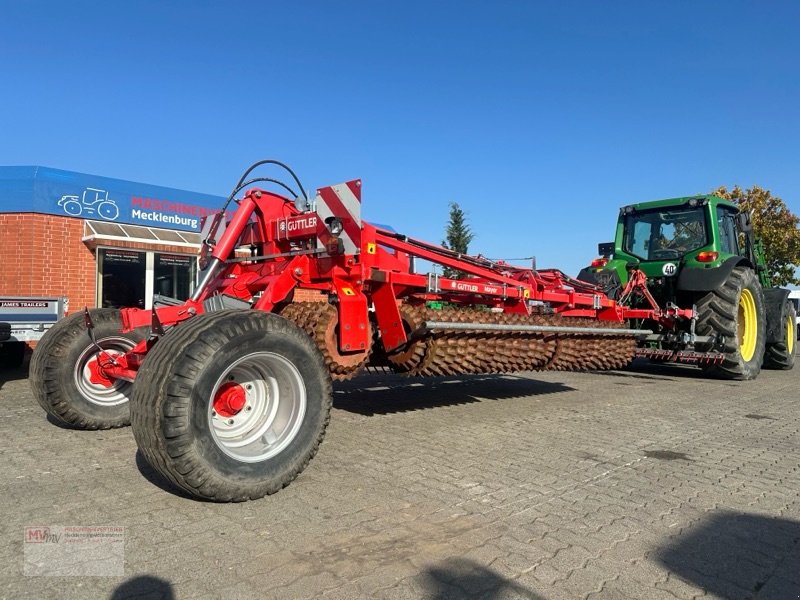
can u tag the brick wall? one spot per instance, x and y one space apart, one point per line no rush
44 255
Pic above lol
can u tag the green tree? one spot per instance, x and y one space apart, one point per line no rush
458 236
777 227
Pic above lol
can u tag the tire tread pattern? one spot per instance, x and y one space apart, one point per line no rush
164 438
49 368
777 355
718 314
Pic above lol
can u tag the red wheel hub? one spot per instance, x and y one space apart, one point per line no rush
96 373
230 399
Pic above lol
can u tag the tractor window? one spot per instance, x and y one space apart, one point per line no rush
726 221
665 234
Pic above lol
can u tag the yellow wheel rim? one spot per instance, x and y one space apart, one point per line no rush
747 329
790 335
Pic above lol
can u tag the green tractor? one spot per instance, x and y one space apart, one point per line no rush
699 252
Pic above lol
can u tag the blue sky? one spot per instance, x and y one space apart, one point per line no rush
539 118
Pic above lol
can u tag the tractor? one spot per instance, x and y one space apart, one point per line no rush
699 252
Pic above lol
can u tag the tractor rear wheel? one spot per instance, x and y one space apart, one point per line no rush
61 374
780 355
231 405
736 311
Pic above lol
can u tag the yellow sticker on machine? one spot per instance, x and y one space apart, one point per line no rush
348 291
371 248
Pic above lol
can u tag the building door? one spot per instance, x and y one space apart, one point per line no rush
129 279
121 280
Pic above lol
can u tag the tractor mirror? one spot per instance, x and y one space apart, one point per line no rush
744 223
605 249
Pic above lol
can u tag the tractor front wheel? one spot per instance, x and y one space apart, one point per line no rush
780 355
736 311
232 405
64 377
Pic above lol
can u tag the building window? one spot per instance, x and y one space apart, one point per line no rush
129 278
121 278
174 275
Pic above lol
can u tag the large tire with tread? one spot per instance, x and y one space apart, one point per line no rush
208 448
59 375
736 311
780 355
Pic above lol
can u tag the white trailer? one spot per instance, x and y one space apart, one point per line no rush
25 319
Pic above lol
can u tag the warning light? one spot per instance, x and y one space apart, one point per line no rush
707 256
599 262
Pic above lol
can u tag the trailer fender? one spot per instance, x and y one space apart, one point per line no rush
775 300
705 280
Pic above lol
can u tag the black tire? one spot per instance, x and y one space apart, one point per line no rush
720 312
59 378
780 355
12 354
173 410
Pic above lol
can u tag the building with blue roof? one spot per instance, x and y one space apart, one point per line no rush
96 240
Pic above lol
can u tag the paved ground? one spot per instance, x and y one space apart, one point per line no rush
647 483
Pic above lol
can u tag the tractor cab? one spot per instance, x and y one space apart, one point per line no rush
698 253
673 242
659 235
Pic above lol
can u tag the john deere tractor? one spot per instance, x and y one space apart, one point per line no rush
699 252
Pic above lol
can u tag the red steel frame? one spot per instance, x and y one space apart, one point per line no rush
296 249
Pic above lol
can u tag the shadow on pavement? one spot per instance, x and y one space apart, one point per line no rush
61 425
657 371
460 578
735 555
370 395
14 374
158 480
668 371
144 586
641 374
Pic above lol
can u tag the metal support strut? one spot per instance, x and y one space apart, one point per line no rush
429 325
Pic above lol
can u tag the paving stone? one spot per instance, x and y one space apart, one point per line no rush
532 486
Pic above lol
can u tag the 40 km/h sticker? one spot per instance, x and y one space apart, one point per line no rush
669 269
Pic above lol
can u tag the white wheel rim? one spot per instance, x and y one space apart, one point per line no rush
97 393
275 405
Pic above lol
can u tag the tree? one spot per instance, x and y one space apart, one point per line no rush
457 236
777 227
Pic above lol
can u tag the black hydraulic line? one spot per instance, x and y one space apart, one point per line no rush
267 161
270 180
270 161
